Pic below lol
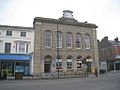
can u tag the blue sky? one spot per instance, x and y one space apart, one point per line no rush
104 13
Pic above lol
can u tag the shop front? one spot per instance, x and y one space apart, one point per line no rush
12 64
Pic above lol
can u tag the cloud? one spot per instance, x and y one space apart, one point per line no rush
104 13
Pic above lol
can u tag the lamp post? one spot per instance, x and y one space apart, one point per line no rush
58 51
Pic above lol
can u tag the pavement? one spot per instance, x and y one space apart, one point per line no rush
108 81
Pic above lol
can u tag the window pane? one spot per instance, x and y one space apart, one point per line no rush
87 42
7 47
9 33
69 40
23 34
58 64
48 39
69 63
78 40
58 40
79 64
21 47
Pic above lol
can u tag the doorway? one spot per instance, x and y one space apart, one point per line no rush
47 67
47 64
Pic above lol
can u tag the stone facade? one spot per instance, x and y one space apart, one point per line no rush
64 24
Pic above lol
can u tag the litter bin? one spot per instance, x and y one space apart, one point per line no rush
18 75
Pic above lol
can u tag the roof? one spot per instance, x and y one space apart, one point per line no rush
15 27
64 21
114 42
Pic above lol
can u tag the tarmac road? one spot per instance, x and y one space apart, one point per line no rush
110 81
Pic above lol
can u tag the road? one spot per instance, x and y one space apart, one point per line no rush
110 81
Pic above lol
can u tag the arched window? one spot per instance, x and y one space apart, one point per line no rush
78 40
58 62
59 39
69 40
69 62
79 61
87 41
48 39
47 59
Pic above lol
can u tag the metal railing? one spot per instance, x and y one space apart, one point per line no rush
69 74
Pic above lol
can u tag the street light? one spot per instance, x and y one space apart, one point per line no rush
58 50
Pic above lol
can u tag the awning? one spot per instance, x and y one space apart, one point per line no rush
15 57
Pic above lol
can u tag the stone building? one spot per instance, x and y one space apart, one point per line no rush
64 44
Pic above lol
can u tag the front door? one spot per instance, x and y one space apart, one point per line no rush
47 67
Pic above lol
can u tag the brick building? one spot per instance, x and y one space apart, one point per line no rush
64 43
109 52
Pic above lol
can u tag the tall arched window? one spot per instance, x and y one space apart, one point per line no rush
69 62
69 40
59 39
48 39
78 40
87 41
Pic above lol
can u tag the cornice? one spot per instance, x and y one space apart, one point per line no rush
64 21
15 27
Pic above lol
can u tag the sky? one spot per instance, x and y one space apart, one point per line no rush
104 13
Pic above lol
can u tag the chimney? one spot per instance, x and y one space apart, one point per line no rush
116 39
